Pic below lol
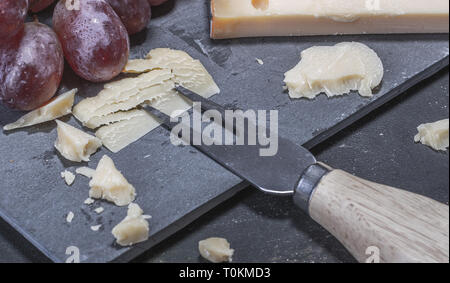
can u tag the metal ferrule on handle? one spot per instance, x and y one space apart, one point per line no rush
307 184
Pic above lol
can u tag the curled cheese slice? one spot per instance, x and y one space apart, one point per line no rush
58 107
216 250
434 135
133 229
74 144
187 71
108 183
335 70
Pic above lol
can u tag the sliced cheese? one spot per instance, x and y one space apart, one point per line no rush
68 177
108 183
119 135
216 250
187 71
58 107
85 171
254 18
335 70
74 144
133 229
434 135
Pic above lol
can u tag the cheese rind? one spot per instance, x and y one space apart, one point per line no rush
58 107
335 70
74 144
108 183
134 228
249 18
434 135
216 250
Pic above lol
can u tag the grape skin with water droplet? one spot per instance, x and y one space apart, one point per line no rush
135 14
12 17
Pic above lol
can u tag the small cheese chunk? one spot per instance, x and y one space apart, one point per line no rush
99 210
119 135
74 144
216 250
58 107
89 201
187 71
95 228
68 177
85 171
255 18
335 70
133 229
69 217
434 135
108 183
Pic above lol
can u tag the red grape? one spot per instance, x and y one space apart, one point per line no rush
39 5
94 40
12 16
156 2
31 67
135 14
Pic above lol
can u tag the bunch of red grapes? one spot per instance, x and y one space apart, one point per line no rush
92 35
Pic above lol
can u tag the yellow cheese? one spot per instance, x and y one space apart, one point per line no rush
108 183
74 144
335 70
216 250
119 135
133 229
60 106
434 135
252 18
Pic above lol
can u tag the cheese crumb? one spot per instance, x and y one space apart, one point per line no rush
216 250
335 70
68 177
96 228
99 210
69 217
85 171
261 62
133 228
434 135
89 201
108 183
74 144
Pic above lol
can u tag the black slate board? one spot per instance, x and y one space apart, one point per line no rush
177 184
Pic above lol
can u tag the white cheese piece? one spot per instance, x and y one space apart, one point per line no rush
74 144
119 135
259 61
89 201
58 107
85 171
133 229
187 71
434 135
69 217
96 228
216 250
254 18
108 183
99 210
335 70
109 119
68 177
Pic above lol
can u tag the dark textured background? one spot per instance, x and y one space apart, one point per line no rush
266 228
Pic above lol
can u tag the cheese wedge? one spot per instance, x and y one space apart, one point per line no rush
58 107
119 135
216 250
434 135
254 18
133 229
74 144
108 183
335 70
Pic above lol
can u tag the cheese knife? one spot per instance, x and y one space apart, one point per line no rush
375 223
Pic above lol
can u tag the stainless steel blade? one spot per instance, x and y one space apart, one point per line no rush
278 174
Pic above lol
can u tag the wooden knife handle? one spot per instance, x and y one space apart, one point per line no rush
378 223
